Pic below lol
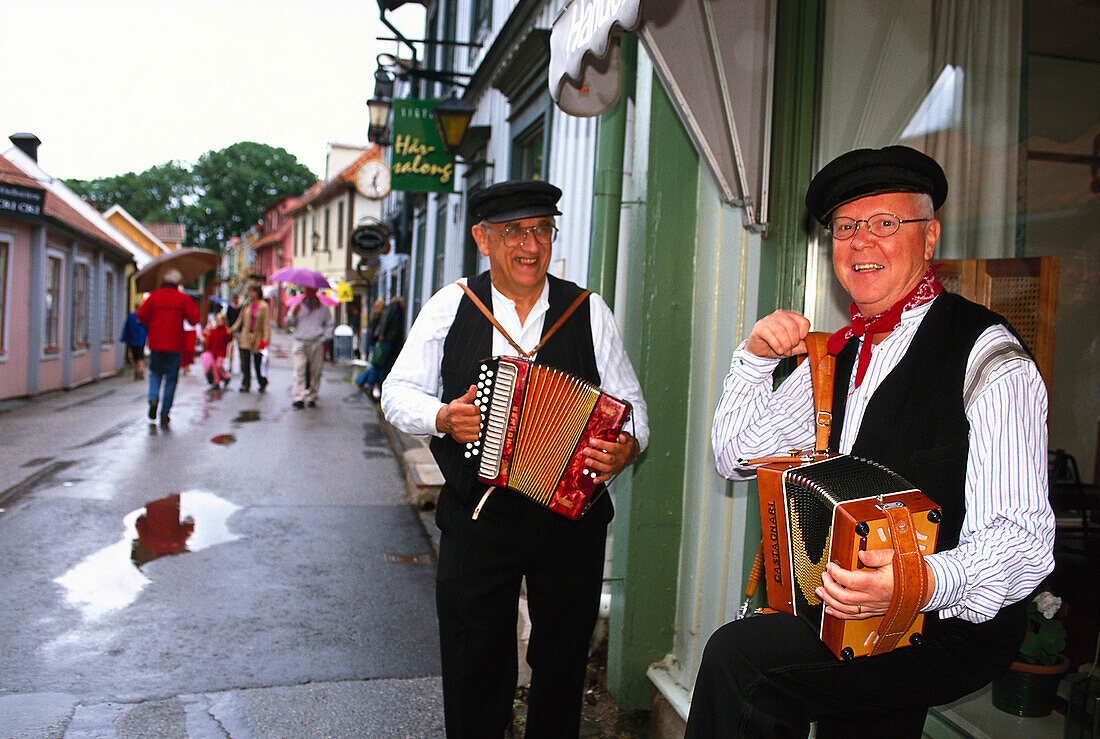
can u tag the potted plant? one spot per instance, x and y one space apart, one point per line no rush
1031 684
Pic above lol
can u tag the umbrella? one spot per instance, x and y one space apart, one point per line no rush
299 276
191 263
325 299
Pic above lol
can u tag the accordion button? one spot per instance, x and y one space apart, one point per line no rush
467 455
585 471
489 372
484 367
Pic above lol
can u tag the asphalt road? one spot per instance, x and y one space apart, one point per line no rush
301 604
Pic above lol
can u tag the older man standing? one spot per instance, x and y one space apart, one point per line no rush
430 391
939 390
164 313
311 322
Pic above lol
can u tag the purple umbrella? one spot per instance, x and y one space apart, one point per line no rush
299 276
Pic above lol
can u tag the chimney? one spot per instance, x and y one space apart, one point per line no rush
26 143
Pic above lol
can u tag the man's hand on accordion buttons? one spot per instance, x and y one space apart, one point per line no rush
608 458
861 593
780 334
460 418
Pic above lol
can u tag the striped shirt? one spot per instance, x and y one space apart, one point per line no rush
1007 539
411 392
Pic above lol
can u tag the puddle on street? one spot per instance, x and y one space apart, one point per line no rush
111 578
247 416
224 439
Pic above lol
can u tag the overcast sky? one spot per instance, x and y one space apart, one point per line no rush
121 85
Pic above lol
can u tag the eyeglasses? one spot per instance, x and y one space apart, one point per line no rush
513 236
880 224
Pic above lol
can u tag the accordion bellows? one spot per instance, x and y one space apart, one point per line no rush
535 421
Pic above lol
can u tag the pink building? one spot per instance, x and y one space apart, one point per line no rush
62 284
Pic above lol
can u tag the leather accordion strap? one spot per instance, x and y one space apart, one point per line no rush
545 337
822 370
910 582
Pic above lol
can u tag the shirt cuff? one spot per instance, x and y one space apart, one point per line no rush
950 582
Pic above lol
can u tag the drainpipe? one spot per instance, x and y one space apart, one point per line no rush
607 193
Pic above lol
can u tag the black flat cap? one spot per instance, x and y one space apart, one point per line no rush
514 199
865 172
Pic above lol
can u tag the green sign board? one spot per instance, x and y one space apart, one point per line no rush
420 163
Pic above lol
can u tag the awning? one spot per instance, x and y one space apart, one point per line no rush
715 59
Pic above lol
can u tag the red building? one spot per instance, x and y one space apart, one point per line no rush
273 249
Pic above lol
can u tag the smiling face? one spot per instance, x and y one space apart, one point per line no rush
878 272
517 272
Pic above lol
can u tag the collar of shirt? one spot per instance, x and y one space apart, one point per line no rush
528 334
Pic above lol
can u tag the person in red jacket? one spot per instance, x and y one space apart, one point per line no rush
163 313
216 343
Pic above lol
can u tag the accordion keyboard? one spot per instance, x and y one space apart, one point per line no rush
494 399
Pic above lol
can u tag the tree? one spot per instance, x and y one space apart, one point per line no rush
223 194
159 193
236 185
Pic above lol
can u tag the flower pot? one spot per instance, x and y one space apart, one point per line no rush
1029 690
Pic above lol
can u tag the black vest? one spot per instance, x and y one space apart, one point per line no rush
470 340
916 425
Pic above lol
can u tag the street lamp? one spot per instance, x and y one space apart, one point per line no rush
380 106
452 118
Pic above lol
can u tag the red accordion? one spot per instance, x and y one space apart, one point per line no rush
818 507
535 421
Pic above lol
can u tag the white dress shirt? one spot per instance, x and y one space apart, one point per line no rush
1006 542
412 390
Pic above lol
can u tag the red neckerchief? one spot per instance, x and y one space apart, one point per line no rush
928 288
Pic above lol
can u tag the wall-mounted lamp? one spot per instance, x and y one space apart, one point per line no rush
315 239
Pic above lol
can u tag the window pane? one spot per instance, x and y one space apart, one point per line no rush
53 305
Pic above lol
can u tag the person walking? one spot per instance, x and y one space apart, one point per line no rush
253 327
311 322
231 312
164 313
134 336
215 346
430 391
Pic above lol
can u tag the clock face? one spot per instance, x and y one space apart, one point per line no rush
373 180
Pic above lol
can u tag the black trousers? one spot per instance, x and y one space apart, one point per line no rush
771 676
481 564
246 368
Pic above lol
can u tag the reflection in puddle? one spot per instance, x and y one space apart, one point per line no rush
246 416
223 439
111 578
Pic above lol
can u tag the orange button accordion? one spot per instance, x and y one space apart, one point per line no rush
818 507
535 422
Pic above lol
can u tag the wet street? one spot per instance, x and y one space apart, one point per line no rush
253 571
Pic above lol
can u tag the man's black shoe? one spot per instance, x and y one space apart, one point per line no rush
152 410
244 388
298 405
164 422
312 404
263 384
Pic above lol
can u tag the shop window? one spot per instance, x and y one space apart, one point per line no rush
528 153
941 81
52 328
523 83
81 304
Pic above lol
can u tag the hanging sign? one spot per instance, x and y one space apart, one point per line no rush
419 163
23 201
